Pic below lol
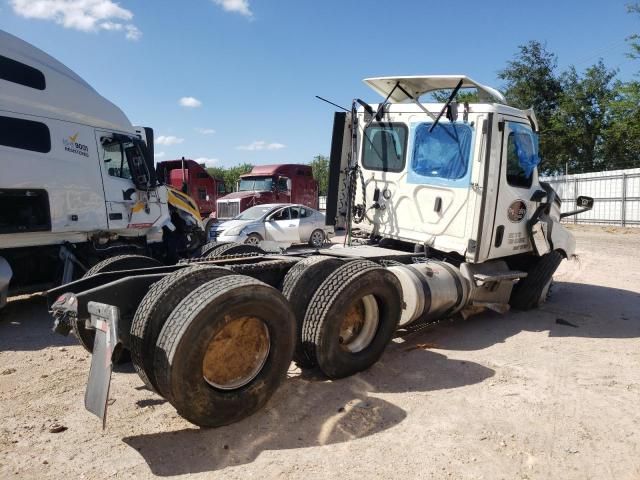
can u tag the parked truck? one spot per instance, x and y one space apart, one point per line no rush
287 183
190 177
77 180
445 216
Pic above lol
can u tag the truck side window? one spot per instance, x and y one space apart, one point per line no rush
114 160
24 134
221 189
522 156
202 194
282 184
384 146
442 153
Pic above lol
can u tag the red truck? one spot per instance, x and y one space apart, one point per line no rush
287 183
193 179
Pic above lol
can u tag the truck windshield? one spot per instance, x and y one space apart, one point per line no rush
255 184
254 213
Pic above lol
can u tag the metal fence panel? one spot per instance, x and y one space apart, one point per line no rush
616 195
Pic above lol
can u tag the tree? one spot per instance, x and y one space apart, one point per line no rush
634 40
320 168
532 81
621 142
230 175
583 118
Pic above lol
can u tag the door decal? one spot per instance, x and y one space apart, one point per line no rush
517 211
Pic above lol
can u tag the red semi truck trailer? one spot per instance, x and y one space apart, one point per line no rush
287 183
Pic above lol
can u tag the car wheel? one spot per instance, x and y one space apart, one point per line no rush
317 238
253 239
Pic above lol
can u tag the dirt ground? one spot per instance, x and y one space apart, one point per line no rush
552 394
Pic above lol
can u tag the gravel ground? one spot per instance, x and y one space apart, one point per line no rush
551 394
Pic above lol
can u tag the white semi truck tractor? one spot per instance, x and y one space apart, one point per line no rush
445 215
78 190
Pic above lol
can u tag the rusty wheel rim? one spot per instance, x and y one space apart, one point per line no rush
359 324
236 354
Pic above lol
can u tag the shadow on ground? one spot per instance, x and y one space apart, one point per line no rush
25 325
573 310
308 413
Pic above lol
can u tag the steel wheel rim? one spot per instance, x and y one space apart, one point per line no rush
360 324
236 354
317 238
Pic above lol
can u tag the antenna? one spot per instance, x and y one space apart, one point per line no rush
331 103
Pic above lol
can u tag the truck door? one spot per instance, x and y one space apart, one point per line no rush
281 226
517 183
127 207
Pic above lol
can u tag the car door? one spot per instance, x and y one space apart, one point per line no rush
516 186
281 227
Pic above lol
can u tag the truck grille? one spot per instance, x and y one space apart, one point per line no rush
228 209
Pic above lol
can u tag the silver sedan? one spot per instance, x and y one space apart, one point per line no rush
275 222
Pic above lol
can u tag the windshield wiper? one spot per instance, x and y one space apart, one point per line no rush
444 108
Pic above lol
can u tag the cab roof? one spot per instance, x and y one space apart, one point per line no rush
419 85
65 95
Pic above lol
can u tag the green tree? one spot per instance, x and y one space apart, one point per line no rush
230 175
584 117
531 80
621 142
634 40
320 168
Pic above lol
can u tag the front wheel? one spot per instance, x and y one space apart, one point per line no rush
253 239
532 291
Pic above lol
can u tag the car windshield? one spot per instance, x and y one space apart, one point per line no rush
257 184
253 213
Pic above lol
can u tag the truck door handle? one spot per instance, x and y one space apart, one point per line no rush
115 216
438 205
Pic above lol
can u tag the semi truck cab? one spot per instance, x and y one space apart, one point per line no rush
288 183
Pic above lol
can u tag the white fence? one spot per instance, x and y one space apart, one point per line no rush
322 203
616 195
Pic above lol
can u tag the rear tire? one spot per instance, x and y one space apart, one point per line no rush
156 306
233 248
531 291
317 238
209 247
85 336
300 283
209 329
351 318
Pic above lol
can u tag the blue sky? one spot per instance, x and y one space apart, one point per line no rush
248 70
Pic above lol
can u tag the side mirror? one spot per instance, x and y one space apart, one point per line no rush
584 202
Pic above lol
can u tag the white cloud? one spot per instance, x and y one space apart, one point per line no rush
261 145
83 15
206 131
158 154
235 6
190 102
168 140
209 162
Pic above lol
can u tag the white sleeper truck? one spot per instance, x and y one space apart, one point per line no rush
77 180
445 216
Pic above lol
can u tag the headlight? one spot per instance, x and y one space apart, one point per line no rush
232 232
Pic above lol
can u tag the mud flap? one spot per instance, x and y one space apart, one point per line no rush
104 318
